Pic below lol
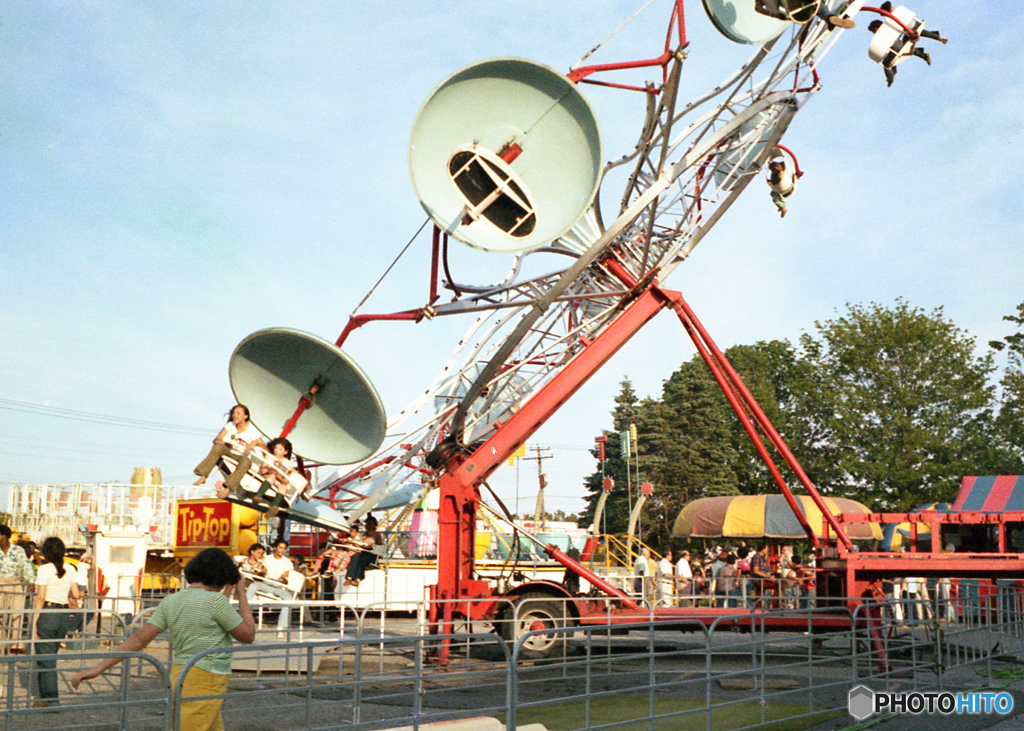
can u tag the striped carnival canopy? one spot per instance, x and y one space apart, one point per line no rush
992 494
764 516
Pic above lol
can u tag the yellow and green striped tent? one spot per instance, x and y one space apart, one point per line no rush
764 516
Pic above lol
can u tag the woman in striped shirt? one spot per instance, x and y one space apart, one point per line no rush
199 617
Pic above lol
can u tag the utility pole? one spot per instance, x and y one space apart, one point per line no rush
540 454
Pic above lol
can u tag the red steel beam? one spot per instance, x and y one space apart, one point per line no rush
682 308
459 485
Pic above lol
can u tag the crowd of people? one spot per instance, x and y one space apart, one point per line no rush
727 578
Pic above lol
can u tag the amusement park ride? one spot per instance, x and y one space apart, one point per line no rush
506 156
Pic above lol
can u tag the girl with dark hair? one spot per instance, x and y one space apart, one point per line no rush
276 472
199 617
239 436
55 582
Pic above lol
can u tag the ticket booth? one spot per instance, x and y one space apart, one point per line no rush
119 555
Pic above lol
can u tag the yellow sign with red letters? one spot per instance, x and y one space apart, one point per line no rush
213 523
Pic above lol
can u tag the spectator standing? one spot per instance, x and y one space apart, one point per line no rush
743 569
80 619
199 617
56 583
760 571
716 566
16 572
684 576
727 585
642 570
666 581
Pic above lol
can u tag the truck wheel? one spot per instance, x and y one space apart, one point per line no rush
535 612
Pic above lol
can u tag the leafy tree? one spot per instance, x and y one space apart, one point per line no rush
904 401
785 387
1014 343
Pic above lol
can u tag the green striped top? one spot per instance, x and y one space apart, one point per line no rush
198 619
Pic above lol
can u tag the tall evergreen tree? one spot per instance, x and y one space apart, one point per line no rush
685 447
1009 427
616 510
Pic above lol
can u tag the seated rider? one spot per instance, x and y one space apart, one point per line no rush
276 473
365 557
252 562
239 436
903 45
781 182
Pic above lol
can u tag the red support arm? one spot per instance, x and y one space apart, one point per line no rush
357 321
686 315
459 485
677 22
730 394
580 570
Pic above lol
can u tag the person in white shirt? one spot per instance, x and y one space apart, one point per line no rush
238 435
782 183
15 572
684 575
279 568
55 583
642 571
666 581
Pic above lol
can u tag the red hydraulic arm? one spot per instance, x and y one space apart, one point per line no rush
459 485
742 400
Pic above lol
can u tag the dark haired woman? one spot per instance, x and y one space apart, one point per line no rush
238 435
55 582
199 617
278 474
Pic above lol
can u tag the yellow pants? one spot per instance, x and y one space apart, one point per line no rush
201 715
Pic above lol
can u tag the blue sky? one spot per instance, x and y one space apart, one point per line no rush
174 176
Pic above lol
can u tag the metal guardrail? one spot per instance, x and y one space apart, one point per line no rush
369 674
121 704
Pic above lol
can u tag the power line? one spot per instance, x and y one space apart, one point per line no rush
72 414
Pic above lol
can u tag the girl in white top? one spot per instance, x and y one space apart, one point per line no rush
239 436
55 583
53 589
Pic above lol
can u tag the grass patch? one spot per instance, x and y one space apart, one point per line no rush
572 716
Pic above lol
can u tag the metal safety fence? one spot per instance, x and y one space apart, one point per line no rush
536 665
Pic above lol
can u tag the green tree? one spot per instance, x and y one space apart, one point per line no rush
616 510
1009 428
685 447
904 400
785 387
